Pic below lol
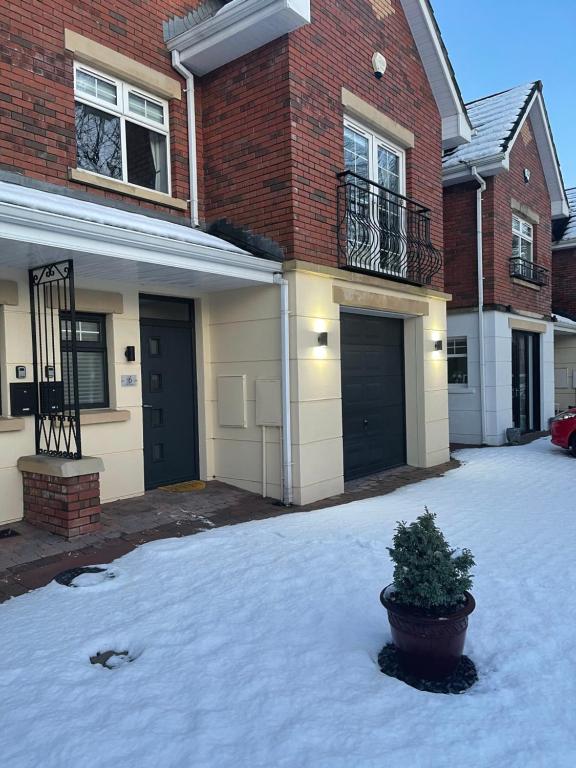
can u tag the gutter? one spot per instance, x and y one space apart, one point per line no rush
286 408
480 276
192 140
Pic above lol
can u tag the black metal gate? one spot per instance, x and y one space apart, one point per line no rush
53 315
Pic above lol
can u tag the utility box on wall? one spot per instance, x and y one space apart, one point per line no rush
268 403
231 394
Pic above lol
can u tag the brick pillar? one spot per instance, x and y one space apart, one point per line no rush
62 495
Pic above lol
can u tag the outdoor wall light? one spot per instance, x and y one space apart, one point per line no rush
438 346
323 339
130 354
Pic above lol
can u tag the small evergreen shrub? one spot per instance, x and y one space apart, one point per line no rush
428 574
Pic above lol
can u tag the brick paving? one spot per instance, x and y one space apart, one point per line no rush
33 558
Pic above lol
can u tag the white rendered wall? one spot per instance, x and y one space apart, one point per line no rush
464 402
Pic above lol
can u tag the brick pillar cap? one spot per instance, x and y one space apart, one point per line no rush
58 467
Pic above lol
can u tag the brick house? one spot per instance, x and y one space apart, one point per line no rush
564 307
220 247
502 192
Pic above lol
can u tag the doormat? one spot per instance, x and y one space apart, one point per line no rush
190 485
463 677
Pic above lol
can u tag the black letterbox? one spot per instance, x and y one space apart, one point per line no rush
23 399
51 397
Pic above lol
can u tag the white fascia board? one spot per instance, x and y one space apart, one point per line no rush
237 30
456 131
456 128
541 127
491 166
564 245
56 231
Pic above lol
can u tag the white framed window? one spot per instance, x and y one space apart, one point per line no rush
522 239
457 351
374 158
376 213
122 132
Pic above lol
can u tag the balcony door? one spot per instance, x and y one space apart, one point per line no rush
376 220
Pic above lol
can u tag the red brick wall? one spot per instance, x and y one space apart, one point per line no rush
247 143
460 215
273 125
535 195
460 245
37 134
67 506
563 282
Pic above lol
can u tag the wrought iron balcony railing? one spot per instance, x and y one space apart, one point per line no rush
384 233
527 270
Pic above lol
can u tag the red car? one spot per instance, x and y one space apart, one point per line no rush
563 429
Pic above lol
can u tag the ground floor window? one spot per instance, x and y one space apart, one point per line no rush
92 360
458 360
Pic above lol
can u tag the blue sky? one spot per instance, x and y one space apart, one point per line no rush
497 44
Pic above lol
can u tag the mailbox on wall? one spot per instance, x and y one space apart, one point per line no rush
51 397
23 399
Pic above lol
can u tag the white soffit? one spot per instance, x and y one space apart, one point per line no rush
456 128
240 27
46 224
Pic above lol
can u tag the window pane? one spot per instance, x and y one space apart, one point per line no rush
356 148
515 246
146 154
457 370
91 378
516 224
98 141
526 250
146 108
388 169
526 230
96 87
86 330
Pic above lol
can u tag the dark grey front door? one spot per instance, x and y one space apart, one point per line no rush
526 380
168 393
373 404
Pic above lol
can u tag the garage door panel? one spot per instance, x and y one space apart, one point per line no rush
373 408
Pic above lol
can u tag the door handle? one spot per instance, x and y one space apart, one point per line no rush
365 422
147 406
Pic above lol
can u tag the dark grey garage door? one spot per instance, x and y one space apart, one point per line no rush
372 394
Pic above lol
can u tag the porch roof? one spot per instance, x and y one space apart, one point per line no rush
107 242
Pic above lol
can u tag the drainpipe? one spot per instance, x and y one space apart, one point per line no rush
286 414
191 111
480 267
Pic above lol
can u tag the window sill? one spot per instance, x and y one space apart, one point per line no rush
102 416
10 424
454 389
113 185
526 284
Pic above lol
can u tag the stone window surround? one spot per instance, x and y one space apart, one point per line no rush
87 300
87 51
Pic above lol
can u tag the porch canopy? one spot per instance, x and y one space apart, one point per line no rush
38 227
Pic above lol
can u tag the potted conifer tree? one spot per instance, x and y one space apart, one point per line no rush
428 602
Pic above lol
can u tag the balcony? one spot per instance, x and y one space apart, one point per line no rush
523 269
383 233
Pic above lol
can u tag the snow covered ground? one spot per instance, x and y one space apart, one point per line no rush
257 644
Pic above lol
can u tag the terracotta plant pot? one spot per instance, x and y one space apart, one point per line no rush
429 647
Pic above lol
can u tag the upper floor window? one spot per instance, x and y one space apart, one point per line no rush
371 157
522 239
121 131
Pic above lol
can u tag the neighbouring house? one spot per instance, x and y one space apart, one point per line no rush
502 191
564 307
220 248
